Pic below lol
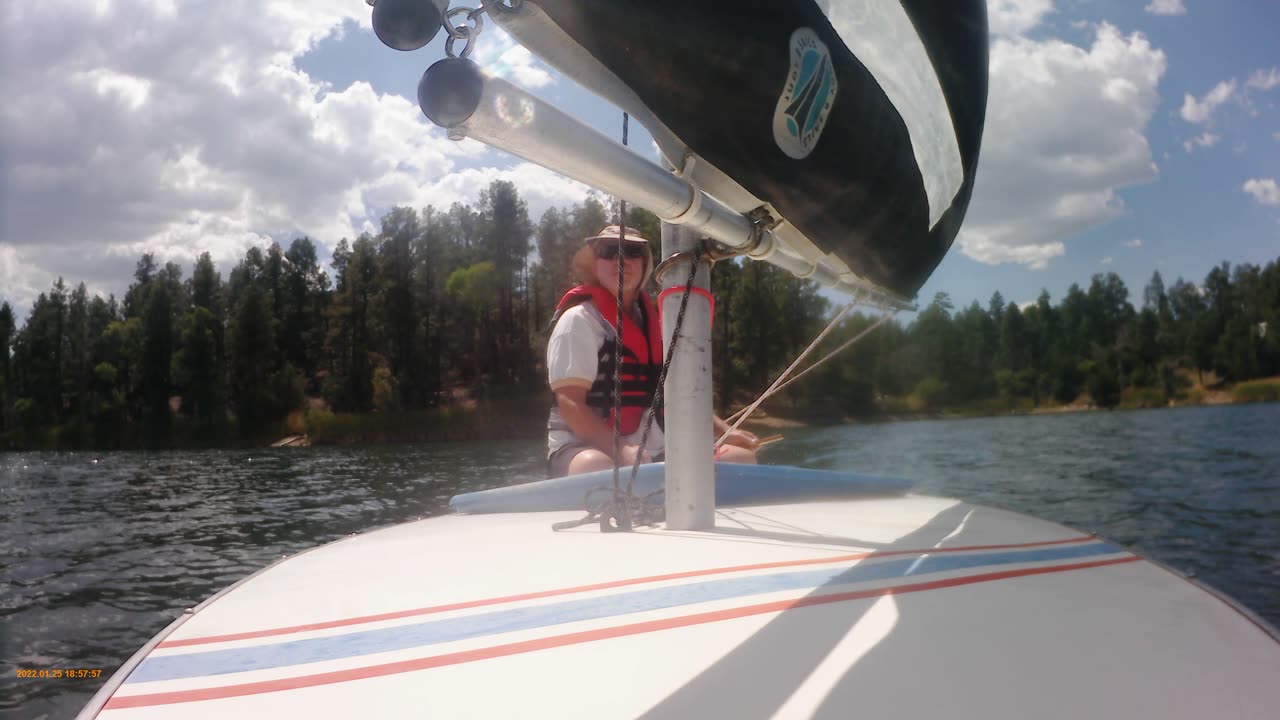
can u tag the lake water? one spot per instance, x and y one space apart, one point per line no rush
98 553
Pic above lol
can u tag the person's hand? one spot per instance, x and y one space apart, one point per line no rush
629 453
742 439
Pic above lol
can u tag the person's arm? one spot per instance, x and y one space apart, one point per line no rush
571 400
741 438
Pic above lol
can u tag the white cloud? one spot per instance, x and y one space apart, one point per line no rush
1049 171
1134 243
22 280
179 128
1014 17
224 237
992 251
1106 260
1204 140
1198 112
541 189
499 54
1264 190
1166 7
1080 24
1265 79
131 91
137 126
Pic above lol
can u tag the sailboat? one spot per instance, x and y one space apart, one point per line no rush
838 139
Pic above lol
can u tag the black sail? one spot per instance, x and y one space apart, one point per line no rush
859 121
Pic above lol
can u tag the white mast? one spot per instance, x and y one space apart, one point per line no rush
690 469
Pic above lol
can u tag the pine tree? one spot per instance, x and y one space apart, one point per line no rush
7 327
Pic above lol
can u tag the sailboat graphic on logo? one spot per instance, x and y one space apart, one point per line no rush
807 98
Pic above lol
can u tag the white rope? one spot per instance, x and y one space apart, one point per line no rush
883 319
776 383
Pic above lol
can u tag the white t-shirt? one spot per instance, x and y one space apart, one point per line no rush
573 358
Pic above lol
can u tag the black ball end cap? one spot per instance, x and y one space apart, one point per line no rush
406 24
449 91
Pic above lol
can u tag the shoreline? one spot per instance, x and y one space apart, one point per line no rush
773 422
515 420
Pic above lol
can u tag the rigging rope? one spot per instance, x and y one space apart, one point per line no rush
618 515
777 384
666 363
625 510
617 340
883 319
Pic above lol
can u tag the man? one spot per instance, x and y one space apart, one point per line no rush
580 363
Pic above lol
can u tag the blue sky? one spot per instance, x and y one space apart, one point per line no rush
1195 213
1122 136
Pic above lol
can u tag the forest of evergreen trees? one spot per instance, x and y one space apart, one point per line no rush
442 300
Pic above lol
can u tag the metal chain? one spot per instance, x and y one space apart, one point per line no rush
624 510
666 363
469 33
624 519
460 32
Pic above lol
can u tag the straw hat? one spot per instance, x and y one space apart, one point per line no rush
584 260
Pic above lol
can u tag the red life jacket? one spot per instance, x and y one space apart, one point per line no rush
641 356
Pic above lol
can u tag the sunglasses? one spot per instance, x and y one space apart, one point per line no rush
609 250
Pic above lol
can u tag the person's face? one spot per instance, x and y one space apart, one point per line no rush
606 264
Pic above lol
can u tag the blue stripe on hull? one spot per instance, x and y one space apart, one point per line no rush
262 657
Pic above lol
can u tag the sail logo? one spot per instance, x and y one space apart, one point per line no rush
807 97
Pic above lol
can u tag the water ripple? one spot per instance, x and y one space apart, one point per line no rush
98 557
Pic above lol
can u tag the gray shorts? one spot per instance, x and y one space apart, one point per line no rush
558 461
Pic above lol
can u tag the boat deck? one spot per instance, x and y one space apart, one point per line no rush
895 606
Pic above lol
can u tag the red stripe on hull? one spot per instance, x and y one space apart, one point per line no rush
271 632
555 641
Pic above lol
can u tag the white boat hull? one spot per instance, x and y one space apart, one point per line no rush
900 607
